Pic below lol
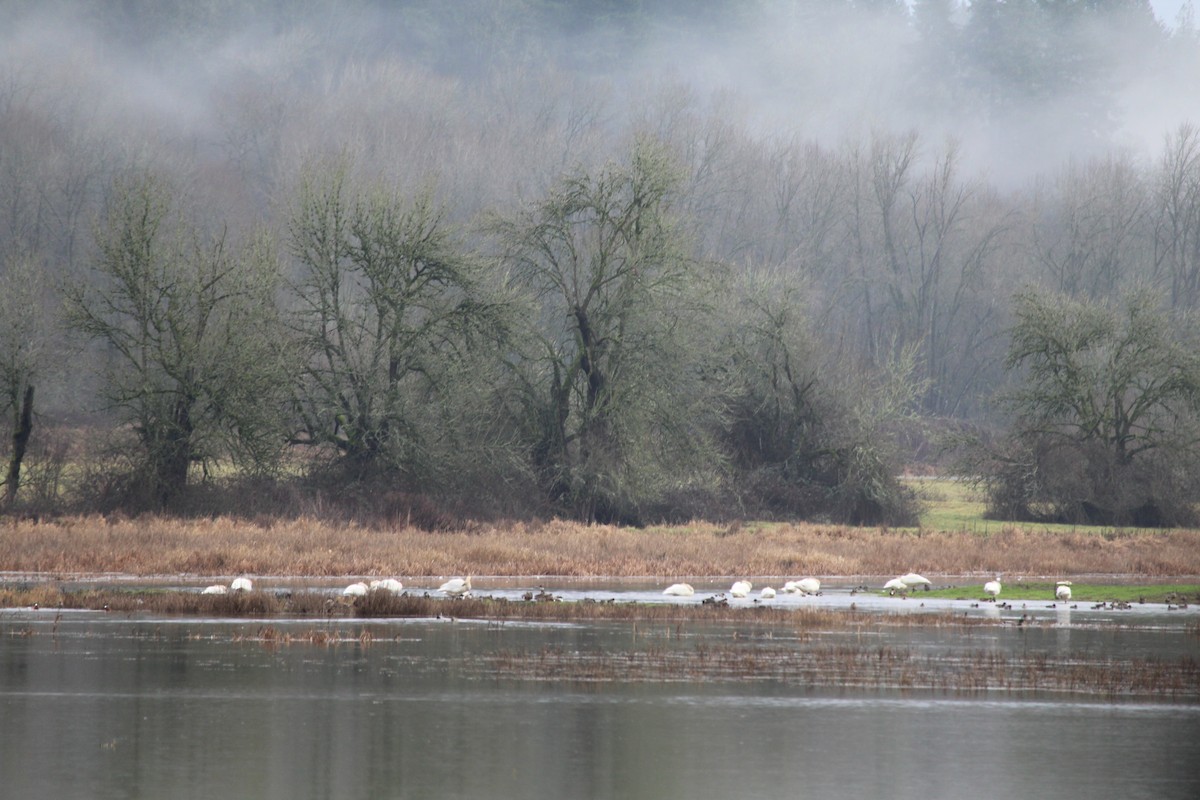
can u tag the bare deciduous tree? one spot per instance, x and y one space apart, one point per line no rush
1106 421
611 388
189 328
25 331
387 304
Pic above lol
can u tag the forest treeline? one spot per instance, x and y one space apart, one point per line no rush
617 261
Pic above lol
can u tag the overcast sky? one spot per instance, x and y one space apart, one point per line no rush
1167 9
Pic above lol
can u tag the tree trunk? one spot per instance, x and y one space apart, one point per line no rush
21 434
176 457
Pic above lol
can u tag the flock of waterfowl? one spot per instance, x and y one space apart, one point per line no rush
461 587
238 585
898 586
743 588
455 587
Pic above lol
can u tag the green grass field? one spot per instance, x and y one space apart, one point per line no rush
1033 591
954 505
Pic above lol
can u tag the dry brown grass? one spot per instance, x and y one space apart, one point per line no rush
150 545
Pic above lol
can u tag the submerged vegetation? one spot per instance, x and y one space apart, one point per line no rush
693 643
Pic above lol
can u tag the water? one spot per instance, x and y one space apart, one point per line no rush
103 706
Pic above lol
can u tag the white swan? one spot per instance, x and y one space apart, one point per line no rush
387 585
740 588
992 588
241 585
1063 590
808 586
216 588
767 593
913 579
457 587
896 585
355 590
680 590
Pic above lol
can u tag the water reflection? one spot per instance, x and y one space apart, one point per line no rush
99 706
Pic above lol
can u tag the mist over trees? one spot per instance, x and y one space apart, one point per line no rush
618 261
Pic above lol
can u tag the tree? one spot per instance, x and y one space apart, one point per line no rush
1177 217
1086 238
613 397
24 342
1107 416
387 305
190 331
806 436
923 242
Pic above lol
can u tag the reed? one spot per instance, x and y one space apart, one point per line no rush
152 545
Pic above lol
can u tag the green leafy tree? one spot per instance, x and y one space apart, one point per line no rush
191 336
1106 418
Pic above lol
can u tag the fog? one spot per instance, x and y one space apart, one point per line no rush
1020 97
855 193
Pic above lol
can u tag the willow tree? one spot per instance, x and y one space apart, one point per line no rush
612 397
388 310
187 328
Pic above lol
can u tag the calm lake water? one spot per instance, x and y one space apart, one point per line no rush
105 706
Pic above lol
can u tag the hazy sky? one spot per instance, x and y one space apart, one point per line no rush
1166 10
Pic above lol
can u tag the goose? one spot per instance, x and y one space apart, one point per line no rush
387 585
458 587
355 590
992 588
680 590
740 588
241 585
